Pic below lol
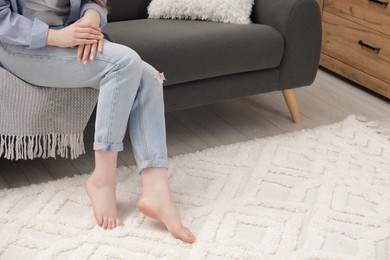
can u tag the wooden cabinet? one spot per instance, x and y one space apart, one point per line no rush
320 3
356 41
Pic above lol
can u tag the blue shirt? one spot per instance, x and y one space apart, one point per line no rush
19 30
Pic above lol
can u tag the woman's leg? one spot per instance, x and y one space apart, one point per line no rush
116 73
101 189
147 132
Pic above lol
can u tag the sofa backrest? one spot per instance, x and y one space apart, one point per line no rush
120 10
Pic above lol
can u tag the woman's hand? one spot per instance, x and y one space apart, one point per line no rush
78 33
88 51
85 34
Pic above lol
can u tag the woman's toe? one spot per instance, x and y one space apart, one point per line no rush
190 238
118 223
99 220
105 223
110 224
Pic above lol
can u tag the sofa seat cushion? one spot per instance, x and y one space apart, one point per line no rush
193 50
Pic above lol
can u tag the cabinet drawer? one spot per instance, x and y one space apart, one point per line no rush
360 47
374 14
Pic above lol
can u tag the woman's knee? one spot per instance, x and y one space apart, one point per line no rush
123 57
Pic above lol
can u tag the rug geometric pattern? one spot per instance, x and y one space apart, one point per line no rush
322 193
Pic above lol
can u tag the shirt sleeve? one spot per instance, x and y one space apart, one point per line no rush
102 11
19 30
38 34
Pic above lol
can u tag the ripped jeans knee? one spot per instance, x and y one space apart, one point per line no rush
160 77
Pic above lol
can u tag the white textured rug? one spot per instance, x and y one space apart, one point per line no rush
313 194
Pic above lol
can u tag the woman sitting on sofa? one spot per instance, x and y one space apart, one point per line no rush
61 45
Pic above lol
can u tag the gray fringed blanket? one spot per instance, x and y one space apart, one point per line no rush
41 122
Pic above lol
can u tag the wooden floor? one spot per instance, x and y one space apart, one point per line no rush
330 99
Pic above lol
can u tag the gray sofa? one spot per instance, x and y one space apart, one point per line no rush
203 62
206 62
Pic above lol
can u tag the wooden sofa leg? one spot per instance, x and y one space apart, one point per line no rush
291 100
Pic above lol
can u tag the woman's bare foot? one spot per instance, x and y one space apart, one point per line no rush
156 202
103 200
101 189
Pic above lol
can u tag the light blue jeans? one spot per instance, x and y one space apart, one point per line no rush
130 93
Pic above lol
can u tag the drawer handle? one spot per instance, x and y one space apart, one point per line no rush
375 49
384 4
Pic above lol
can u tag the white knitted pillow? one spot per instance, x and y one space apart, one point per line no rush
225 11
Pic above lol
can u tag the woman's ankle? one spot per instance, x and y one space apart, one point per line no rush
101 180
154 179
105 168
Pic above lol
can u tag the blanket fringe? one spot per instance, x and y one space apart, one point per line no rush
14 147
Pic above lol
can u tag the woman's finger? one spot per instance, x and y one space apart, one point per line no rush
88 35
80 50
86 53
83 42
88 30
100 45
92 54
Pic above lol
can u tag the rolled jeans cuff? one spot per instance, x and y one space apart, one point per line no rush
108 147
152 164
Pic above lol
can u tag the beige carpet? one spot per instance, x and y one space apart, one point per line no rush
313 194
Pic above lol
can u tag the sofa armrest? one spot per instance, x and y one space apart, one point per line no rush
299 21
